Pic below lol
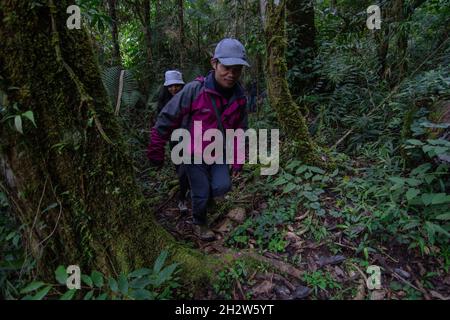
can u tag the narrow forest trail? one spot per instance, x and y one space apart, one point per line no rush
338 272
305 267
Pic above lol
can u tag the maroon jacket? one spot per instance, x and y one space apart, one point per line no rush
193 103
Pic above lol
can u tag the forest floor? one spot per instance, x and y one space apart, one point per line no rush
302 268
304 256
321 274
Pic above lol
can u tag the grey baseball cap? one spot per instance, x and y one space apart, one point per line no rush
231 52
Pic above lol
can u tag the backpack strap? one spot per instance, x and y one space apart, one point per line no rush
218 114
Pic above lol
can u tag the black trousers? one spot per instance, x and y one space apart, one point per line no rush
183 180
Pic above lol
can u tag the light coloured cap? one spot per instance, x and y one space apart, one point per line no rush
231 52
173 77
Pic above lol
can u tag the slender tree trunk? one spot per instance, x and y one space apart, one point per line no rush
236 18
146 23
71 179
288 112
158 26
116 60
181 30
395 13
382 37
300 18
402 41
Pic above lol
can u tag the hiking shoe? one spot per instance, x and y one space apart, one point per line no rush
182 205
203 232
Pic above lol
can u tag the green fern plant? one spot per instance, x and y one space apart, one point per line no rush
130 92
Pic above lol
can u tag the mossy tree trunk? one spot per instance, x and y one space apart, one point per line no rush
70 179
289 114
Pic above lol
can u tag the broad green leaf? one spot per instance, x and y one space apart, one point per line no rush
61 275
166 274
440 198
140 283
160 261
310 196
140 273
293 164
32 286
420 170
87 280
29 115
89 295
68 295
301 169
317 170
279 181
315 205
103 296
412 193
113 285
415 142
123 284
142 294
97 279
41 293
289 187
18 123
410 225
397 180
444 216
427 198
413 182
436 228
438 142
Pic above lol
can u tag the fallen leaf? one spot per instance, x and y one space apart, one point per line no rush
263 287
301 292
225 226
292 237
323 261
237 214
377 295
361 294
282 292
402 273
437 295
339 272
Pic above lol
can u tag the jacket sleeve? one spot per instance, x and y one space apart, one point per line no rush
169 119
241 124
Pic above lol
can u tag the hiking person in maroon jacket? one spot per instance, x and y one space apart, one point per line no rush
219 95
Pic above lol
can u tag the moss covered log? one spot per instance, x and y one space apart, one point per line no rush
70 179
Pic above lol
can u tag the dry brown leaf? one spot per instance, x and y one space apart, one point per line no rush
361 294
237 214
225 226
378 295
263 287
